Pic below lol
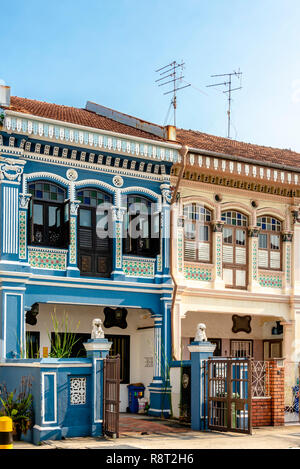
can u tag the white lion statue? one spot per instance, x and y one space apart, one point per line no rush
97 331
200 333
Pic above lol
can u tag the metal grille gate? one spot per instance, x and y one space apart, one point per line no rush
111 396
228 394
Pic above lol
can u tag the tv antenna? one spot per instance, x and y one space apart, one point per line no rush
171 71
229 90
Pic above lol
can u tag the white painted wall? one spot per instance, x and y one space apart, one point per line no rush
80 320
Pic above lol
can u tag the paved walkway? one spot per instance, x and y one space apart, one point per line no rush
142 424
138 432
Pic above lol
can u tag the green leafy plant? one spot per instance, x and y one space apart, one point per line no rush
18 406
2 116
63 342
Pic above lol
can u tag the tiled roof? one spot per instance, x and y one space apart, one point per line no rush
199 140
192 138
75 116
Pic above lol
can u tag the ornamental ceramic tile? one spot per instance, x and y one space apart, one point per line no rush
270 280
197 273
138 268
47 259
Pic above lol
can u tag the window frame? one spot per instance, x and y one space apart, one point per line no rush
197 224
269 233
130 245
95 254
234 266
250 342
64 206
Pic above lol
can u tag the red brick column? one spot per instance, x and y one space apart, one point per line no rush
276 382
261 411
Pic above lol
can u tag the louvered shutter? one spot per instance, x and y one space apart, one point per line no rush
263 258
240 255
275 259
203 252
227 254
190 250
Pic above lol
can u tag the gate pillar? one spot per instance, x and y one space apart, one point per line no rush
97 350
200 351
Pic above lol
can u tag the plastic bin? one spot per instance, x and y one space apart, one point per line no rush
135 392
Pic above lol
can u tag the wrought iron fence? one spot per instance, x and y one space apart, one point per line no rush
291 392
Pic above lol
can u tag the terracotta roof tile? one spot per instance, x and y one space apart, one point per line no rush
192 138
250 151
75 116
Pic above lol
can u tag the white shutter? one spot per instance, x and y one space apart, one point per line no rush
227 254
203 252
240 255
240 278
275 259
263 258
190 250
228 276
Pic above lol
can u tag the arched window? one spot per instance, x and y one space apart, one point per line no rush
141 227
235 249
197 233
48 215
269 243
94 248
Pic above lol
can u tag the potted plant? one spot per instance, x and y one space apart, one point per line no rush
18 407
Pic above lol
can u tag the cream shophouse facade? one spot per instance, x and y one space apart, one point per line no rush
235 248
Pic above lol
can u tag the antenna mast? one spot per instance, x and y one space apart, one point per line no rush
171 71
229 90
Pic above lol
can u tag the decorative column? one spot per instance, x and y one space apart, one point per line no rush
296 250
217 228
116 231
160 390
200 350
287 240
97 349
117 214
164 256
12 318
72 267
11 171
253 283
24 200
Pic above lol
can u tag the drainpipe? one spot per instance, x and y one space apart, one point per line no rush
183 152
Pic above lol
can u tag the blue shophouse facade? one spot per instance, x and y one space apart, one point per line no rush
53 175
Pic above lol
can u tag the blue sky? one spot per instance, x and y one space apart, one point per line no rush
70 51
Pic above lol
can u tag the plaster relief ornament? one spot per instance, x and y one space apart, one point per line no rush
200 333
97 331
72 175
166 193
9 170
118 181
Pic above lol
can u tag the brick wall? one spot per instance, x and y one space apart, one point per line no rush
261 411
270 411
276 374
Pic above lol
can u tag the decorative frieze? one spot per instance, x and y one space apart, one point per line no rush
46 258
138 267
270 280
93 139
195 272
